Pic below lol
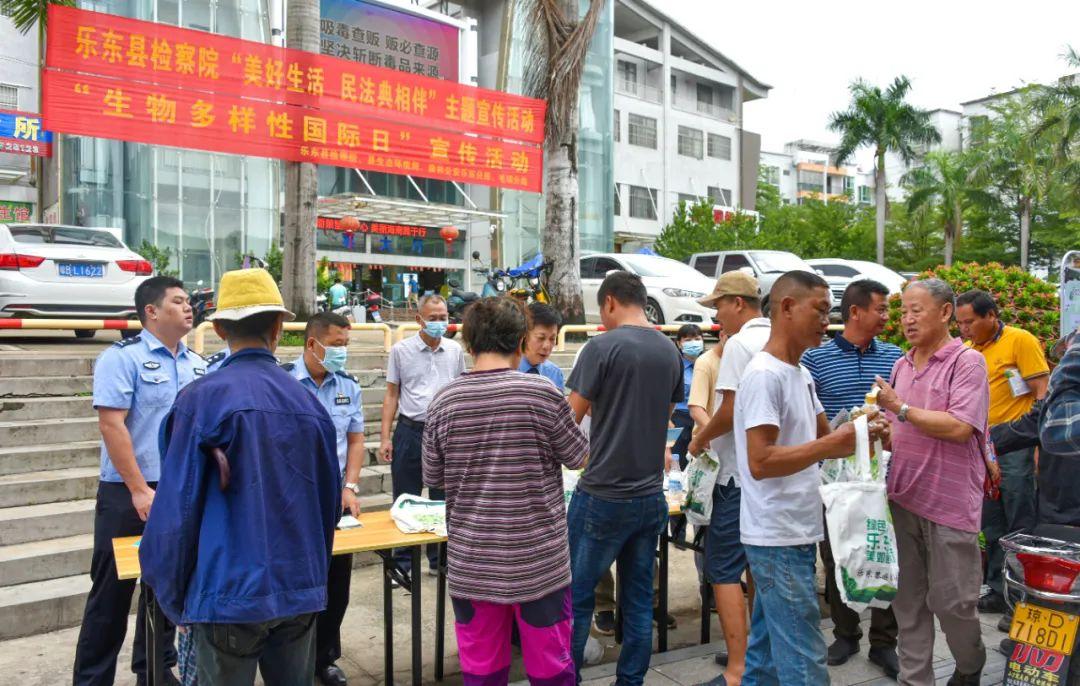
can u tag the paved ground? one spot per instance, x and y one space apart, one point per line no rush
46 659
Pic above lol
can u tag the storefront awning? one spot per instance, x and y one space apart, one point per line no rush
372 208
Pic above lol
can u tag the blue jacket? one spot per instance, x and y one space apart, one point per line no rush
260 550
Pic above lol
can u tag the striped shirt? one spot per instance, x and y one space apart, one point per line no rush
843 374
496 441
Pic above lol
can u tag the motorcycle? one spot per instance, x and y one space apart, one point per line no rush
495 280
371 303
457 303
202 303
1042 570
529 281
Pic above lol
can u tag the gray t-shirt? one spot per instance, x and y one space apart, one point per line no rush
632 376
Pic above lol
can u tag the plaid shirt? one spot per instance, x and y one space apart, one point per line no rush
1060 422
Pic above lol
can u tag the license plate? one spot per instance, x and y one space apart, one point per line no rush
94 271
1043 628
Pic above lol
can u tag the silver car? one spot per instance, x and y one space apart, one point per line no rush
67 272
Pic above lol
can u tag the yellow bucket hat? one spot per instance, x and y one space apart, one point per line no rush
244 292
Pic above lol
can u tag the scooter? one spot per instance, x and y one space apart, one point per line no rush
496 281
1042 569
202 303
458 302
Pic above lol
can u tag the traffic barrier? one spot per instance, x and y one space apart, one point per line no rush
199 342
71 324
560 344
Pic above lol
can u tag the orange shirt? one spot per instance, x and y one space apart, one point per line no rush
1012 352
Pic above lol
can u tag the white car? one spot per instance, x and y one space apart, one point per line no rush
837 268
67 272
673 287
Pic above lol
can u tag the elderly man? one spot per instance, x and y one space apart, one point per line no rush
939 398
236 545
419 367
543 332
1018 373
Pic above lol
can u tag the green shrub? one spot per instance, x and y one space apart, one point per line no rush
1024 301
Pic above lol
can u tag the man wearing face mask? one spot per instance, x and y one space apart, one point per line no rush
419 367
321 370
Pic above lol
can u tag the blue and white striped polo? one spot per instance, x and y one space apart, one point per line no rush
843 374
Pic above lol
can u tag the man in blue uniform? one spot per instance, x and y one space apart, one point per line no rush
214 362
135 383
321 370
239 541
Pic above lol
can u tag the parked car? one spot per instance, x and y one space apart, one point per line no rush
765 265
838 268
67 272
673 288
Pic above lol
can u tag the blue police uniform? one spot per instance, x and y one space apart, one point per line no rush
139 375
340 394
214 362
547 369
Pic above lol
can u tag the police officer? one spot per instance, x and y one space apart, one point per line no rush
217 359
321 370
135 383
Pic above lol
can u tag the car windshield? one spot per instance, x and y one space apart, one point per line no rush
779 262
64 235
646 265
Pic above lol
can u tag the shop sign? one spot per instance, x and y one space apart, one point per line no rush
21 133
172 57
383 228
370 33
11 211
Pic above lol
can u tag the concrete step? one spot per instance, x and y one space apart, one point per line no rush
38 386
61 407
36 432
42 560
38 488
40 522
29 364
42 606
50 456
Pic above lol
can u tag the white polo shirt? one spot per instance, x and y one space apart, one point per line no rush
421 372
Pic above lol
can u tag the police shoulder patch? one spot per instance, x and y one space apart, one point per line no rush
348 376
288 366
217 357
125 342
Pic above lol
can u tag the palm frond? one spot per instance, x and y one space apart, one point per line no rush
26 14
556 48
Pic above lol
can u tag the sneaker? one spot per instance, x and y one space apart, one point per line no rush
671 623
1005 623
1006 647
433 571
885 658
840 651
717 681
721 658
605 623
992 602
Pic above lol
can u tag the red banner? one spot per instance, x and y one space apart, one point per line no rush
87 105
162 55
383 228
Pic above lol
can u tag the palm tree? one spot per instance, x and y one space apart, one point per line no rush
952 181
885 121
558 42
26 13
301 184
1059 105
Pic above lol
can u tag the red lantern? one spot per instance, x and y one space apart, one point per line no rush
349 224
448 234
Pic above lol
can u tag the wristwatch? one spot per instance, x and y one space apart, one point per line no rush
355 488
902 414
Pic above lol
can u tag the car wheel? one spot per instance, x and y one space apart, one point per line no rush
653 313
85 333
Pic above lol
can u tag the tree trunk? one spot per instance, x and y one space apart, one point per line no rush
879 206
560 238
301 184
952 232
1025 230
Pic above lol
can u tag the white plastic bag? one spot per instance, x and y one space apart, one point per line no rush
700 478
414 515
860 526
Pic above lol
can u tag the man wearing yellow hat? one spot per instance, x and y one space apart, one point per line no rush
238 543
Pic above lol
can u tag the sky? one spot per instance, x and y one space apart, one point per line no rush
809 52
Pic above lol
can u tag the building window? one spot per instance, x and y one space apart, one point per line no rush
771 175
642 202
618 127
726 98
704 98
618 201
688 198
719 146
980 129
628 76
642 131
9 97
720 196
690 142
864 194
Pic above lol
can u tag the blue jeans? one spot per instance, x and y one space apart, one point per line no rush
625 531
786 644
1014 511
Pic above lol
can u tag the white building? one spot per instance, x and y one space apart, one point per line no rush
678 124
18 91
809 169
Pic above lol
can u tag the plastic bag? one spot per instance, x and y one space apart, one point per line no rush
700 479
570 478
414 515
860 526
